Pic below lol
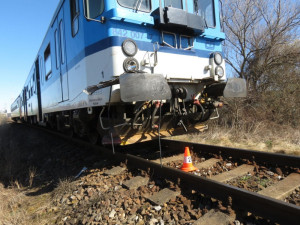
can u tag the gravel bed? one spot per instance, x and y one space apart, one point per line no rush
220 167
98 199
294 198
256 181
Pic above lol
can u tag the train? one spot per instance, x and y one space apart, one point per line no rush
111 69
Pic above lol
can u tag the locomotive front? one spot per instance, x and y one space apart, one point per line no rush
167 66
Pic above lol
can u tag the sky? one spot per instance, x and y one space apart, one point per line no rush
23 25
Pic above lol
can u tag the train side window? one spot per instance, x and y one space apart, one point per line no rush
48 64
34 83
173 3
41 71
62 41
74 16
93 8
31 88
27 93
56 48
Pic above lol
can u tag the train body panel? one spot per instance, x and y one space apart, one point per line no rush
16 109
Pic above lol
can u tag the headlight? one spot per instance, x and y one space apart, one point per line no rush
129 47
130 65
219 71
218 58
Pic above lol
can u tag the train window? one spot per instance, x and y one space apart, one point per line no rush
205 9
74 16
31 90
169 39
62 41
186 42
34 83
138 5
56 48
221 15
174 3
48 64
93 8
27 93
41 70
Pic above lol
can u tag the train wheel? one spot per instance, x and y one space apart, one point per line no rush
93 136
69 132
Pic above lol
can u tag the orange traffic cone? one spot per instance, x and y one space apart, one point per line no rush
187 163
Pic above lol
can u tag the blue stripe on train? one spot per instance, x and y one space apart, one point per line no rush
142 45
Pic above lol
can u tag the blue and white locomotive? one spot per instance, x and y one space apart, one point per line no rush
121 66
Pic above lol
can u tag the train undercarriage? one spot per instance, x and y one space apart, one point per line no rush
125 123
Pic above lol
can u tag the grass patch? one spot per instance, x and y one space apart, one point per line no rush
272 138
19 209
64 187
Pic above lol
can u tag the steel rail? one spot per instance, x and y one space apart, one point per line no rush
257 156
236 153
269 208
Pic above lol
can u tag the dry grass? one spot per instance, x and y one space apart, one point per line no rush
11 210
251 123
64 187
3 119
16 208
31 175
16 205
287 143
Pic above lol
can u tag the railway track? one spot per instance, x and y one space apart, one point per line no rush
222 184
266 203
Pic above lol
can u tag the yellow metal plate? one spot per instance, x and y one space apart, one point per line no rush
147 136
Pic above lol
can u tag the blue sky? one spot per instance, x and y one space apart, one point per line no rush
23 24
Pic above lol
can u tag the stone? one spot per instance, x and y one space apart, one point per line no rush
136 182
213 217
115 171
279 171
167 216
163 196
157 208
270 173
112 214
153 221
133 211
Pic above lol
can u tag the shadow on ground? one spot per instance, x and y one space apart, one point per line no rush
30 157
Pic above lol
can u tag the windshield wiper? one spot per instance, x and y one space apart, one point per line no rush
138 5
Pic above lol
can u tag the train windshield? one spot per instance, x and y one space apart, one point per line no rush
205 9
139 5
174 3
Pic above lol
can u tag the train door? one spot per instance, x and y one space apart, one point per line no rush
63 57
25 103
38 89
60 56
